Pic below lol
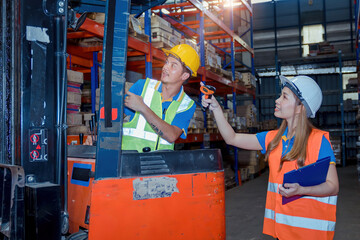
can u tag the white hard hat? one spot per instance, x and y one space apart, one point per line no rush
307 90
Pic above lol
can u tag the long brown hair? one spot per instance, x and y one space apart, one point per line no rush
302 133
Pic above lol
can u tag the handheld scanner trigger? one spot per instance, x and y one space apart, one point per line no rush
207 90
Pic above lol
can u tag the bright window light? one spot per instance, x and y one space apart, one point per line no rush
311 34
231 3
205 4
165 11
259 1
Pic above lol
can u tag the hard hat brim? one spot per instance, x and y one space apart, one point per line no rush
286 80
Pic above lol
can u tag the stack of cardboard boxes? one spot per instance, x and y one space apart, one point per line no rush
75 79
251 163
249 80
162 34
197 122
245 118
212 59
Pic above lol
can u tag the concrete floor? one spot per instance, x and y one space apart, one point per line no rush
245 208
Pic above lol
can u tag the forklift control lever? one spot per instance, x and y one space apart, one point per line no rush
81 138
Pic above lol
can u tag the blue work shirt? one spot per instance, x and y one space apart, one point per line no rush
325 148
181 120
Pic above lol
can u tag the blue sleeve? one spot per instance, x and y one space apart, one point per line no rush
136 88
261 138
326 150
182 120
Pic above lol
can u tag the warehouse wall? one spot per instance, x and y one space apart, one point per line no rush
286 19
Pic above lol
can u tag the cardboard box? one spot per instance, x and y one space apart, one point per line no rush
167 36
248 79
76 130
156 22
74 119
87 116
74 87
74 98
209 48
75 77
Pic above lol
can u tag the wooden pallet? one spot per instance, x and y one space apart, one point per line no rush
251 87
213 69
140 36
161 45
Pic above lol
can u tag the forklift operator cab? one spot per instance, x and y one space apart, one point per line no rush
54 191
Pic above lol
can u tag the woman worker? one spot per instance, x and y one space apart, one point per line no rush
295 144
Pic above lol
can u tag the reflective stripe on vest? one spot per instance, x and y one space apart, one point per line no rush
269 214
273 187
163 141
140 134
147 100
184 104
309 223
332 200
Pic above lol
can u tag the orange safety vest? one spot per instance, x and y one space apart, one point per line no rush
307 217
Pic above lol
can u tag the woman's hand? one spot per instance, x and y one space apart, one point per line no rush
211 102
290 189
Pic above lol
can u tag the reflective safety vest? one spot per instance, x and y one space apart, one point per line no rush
138 133
307 217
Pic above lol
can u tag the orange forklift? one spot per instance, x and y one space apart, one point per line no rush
53 191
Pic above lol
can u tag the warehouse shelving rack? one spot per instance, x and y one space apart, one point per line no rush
357 39
357 33
194 7
88 58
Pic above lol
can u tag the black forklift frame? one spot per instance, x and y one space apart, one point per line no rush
33 100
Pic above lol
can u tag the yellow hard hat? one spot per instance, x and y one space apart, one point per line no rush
187 55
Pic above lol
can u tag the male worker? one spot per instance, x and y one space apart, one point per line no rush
160 111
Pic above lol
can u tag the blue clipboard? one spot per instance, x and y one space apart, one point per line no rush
309 175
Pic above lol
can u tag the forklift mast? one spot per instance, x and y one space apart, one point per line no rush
32 115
